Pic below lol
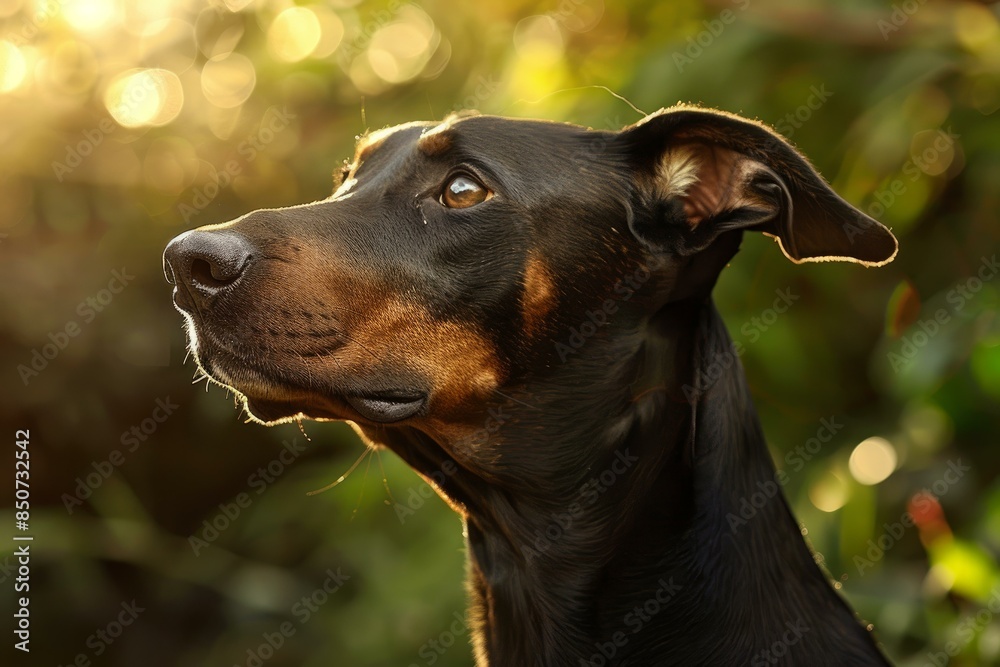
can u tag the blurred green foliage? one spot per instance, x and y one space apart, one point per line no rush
124 123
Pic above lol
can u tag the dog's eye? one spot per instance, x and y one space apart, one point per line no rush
463 192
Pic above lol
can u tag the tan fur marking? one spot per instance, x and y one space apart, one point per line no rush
460 363
435 142
539 296
721 184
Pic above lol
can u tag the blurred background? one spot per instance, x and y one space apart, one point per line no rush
169 532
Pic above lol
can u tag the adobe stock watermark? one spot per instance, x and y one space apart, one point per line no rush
713 29
134 96
965 631
432 650
598 141
776 652
794 120
795 460
271 125
957 298
566 14
633 622
87 311
900 16
624 289
347 52
418 495
485 88
131 440
561 523
272 641
258 481
30 27
912 169
102 638
894 531
752 329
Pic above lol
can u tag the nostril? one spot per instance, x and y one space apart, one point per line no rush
208 275
202 262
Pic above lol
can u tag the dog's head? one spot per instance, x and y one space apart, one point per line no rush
457 261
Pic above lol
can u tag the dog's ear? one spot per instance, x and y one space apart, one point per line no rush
706 172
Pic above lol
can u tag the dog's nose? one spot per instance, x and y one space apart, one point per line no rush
205 262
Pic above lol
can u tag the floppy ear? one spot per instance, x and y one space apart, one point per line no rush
707 172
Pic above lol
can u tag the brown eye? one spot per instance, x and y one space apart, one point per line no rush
463 192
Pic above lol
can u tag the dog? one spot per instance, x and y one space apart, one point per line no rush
527 305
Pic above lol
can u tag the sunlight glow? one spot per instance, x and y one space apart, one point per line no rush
12 67
89 15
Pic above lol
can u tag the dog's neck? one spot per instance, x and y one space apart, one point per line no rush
645 555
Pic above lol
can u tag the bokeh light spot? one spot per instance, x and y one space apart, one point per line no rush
933 151
228 81
332 32
236 5
976 27
218 33
872 461
539 39
89 15
72 68
294 34
149 97
829 493
12 66
9 8
400 51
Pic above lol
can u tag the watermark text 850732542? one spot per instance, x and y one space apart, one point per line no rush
22 553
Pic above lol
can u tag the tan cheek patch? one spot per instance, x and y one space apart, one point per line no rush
539 297
460 364
373 328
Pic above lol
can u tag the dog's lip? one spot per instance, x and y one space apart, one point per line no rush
376 407
387 407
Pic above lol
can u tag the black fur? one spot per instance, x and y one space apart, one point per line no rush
620 437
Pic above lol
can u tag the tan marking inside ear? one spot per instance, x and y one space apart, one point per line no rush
539 298
708 179
677 171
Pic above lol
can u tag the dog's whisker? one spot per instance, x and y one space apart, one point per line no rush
511 398
343 477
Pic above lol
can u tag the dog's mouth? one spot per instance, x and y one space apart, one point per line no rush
378 407
273 396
